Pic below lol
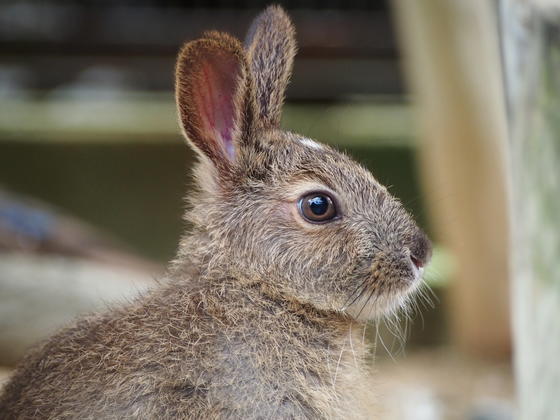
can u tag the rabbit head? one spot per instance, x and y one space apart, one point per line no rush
275 207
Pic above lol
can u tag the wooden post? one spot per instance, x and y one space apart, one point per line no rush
452 60
531 45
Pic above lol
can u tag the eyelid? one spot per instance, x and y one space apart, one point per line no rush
296 191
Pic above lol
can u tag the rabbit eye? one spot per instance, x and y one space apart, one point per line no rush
317 207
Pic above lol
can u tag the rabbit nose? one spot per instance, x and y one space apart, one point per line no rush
417 262
420 250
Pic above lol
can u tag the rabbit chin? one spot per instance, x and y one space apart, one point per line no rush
373 304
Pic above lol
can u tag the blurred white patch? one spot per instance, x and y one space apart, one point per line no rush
548 6
40 294
417 403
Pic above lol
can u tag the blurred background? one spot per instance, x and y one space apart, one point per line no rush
93 170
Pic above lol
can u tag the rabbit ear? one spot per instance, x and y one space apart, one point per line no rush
271 47
215 98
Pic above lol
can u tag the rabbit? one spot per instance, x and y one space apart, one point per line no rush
293 247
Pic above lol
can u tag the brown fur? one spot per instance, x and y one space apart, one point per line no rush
271 48
261 313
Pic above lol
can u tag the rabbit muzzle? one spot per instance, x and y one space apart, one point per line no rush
389 277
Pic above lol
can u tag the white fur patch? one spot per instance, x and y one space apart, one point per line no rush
310 143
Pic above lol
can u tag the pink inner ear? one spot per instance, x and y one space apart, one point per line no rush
215 96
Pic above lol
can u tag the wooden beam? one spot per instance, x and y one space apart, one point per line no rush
452 60
148 117
531 41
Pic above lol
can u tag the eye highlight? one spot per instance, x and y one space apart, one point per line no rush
317 207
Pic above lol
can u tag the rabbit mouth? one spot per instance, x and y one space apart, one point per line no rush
418 272
385 288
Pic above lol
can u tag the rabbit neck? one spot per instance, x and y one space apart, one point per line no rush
273 341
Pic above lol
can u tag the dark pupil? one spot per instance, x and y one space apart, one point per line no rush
319 205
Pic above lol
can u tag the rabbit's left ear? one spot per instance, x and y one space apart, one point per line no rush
271 47
215 97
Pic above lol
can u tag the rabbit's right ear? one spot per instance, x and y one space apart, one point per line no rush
215 97
271 47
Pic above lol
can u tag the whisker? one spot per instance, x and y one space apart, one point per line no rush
346 304
382 342
366 301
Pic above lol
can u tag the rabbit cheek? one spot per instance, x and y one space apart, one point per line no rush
284 211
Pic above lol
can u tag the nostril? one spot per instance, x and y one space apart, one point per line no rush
417 262
420 250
